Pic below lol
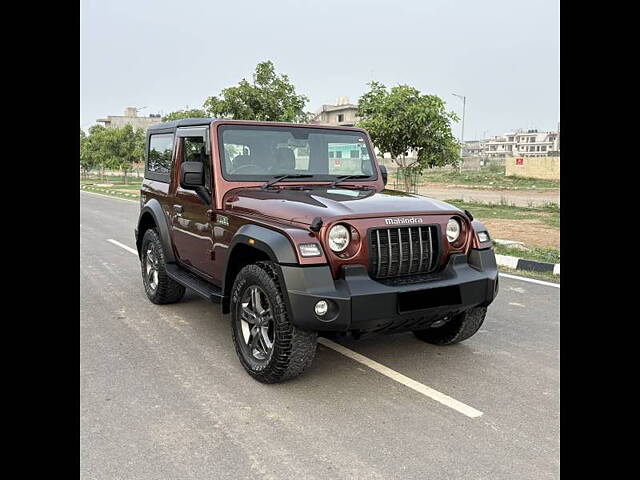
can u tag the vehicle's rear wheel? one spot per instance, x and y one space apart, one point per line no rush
270 347
455 330
157 284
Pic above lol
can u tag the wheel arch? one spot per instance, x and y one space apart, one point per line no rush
152 215
250 244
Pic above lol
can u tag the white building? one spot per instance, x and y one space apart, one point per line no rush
530 143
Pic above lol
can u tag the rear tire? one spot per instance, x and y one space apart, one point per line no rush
459 328
269 346
160 289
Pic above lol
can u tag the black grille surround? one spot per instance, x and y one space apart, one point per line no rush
403 251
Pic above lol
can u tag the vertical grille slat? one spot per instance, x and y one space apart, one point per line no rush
401 251
379 259
410 252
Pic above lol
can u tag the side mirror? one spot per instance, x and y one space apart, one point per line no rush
191 175
383 170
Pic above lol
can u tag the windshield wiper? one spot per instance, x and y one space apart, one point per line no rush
279 178
342 178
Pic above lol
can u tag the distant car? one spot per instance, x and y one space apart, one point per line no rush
260 217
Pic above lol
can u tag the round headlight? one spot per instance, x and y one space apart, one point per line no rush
339 238
453 230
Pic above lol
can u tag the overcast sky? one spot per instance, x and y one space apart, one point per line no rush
166 55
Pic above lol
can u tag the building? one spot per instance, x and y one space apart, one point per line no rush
520 143
130 117
342 113
473 148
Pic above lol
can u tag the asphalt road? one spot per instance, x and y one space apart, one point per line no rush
163 396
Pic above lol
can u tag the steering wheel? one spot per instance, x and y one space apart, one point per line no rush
248 165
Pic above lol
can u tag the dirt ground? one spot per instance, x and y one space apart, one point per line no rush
531 232
520 198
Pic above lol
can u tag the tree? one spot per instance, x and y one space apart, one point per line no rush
116 148
271 97
402 120
122 147
191 113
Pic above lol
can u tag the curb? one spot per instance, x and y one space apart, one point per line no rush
517 263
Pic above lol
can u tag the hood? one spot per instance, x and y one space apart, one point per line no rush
303 204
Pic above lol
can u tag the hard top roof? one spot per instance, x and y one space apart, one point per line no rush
183 122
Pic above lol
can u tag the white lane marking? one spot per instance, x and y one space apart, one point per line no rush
122 245
108 196
530 280
515 304
556 269
404 380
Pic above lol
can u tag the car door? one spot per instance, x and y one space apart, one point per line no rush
191 227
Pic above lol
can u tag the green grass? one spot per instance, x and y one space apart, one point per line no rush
111 184
487 178
541 254
112 191
548 214
546 276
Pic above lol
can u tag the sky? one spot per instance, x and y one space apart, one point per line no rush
503 55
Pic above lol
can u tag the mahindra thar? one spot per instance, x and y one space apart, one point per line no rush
290 228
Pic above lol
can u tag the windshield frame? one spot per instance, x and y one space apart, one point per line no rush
316 177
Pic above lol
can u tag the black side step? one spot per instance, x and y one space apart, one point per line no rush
195 283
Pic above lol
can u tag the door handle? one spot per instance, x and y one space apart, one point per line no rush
178 208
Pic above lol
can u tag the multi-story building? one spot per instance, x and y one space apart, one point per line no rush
530 143
130 117
342 113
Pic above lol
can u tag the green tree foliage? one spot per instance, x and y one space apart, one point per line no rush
271 97
190 113
114 148
401 120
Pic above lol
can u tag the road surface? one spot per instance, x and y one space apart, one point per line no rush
163 395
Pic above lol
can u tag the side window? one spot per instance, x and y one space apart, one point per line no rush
193 150
160 150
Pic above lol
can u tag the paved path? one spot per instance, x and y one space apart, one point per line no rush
163 395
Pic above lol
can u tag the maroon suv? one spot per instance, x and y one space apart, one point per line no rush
290 228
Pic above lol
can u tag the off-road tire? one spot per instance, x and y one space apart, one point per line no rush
459 328
167 290
293 349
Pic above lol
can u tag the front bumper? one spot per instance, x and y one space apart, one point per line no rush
359 303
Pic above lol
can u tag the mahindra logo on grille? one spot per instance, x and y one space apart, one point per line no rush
403 221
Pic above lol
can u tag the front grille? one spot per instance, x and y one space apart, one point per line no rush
400 251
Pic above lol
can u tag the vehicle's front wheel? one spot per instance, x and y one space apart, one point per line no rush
270 347
157 284
455 330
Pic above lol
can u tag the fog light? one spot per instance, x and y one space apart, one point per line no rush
483 236
321 308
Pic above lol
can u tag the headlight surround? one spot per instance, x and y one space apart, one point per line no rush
453 229
339 238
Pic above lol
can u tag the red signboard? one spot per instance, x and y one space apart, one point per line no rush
519 161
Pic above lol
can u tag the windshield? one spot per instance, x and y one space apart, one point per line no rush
260 153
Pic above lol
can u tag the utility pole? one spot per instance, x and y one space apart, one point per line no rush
464 104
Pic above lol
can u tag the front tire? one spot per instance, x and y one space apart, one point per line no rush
160 289
459 328
269 346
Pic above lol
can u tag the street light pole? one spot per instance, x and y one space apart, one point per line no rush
464 104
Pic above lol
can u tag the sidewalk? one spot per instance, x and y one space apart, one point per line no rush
520 198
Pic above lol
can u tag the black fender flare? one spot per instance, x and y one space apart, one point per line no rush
274 244
153 208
